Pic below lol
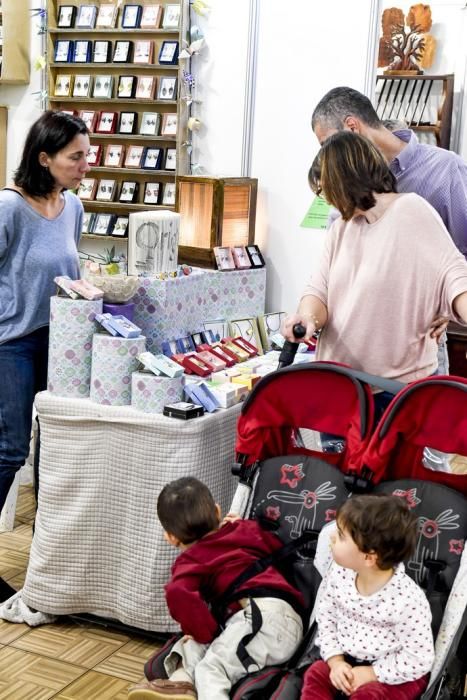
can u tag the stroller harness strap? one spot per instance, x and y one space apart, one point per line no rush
232 592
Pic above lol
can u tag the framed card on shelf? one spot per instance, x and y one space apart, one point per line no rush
134 156
167 88
88 219
123 51
126 86
94 155
107 17
168 54
106 190
268 325
171 160
63 51
106 123
63 85
149 124
120 227
103 86
82 86
66 16
152 158
146 87
246 328
224 258
255 256
240 256
168 196
86 18
70 112
128 192
171 18
218 327
127 122
151 17
169 125
143 52
89 118
87 188
152 192
114 155
102 51
131 17
103 224
82 51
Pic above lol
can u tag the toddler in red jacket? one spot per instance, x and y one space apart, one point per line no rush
258 625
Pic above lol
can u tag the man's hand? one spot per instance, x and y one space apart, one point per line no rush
341 674
438 326
362 675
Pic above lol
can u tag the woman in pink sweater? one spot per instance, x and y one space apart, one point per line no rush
388 268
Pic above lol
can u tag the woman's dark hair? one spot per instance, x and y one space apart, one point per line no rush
380 524
348 170
186 509
52 132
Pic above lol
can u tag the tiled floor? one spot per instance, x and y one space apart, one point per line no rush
68 661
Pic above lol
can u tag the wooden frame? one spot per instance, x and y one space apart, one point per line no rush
15 67
222 206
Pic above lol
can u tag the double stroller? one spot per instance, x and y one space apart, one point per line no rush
289 484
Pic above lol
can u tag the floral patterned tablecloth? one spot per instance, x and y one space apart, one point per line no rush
167 309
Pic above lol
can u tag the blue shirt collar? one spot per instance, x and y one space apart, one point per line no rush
406 156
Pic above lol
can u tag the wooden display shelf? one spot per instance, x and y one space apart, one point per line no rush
118 31
112 100
122 207
132 171
131 137
135 67
96 236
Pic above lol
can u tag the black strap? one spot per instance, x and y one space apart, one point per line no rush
260 565
434 567
242 653
11 189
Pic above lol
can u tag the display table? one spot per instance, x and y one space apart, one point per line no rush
167 309
98 547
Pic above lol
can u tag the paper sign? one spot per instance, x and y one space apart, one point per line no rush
317 214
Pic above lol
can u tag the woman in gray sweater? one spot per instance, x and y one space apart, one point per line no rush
40 226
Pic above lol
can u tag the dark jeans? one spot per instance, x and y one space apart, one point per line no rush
317 686
23 372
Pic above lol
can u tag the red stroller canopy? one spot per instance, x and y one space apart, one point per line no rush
321 396
432 413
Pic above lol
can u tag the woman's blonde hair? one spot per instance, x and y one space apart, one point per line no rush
348 170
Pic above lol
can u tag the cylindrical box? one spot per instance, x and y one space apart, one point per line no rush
113 361
150 393
72 326
126 310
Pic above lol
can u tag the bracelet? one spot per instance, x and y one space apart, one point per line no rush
314 319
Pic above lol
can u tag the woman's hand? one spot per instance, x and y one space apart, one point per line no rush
341 674
231 518
438 326
292 320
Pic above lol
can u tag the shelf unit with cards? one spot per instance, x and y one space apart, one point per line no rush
112 77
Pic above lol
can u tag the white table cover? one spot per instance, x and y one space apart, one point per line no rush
98 547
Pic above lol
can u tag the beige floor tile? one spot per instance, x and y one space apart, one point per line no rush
25 506
19 539
95 686
128 662
83 646
17 581
12 562
22 690
18 666
9 631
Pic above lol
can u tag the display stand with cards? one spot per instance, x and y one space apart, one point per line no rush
115 64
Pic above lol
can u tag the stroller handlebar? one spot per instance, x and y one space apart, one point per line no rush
289 349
